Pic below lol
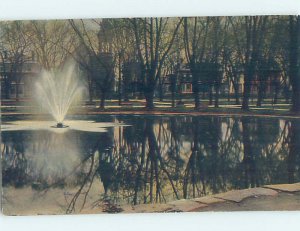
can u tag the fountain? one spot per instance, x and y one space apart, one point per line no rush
55 92
52 152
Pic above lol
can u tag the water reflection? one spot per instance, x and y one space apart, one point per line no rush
155 160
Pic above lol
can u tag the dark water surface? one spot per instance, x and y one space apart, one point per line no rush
154 160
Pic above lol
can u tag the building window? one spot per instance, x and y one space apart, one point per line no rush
13 89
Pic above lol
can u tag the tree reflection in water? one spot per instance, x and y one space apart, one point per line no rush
155 160
293 158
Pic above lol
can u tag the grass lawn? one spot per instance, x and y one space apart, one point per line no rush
164 107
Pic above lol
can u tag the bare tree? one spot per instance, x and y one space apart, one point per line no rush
195 36
16 45
53 41
249 47
95 55
154 38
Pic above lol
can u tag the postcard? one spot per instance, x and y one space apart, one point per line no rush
150 115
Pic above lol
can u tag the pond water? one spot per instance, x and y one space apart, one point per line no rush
103 162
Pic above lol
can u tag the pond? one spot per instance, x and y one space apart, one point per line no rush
106 162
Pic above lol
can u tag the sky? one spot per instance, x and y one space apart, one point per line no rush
66 9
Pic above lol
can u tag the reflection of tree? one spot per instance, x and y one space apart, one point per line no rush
249 158
146 162
158 159
195 158
206 167
294 150
14 162
25 156
88 179
98 149
231 153
259 137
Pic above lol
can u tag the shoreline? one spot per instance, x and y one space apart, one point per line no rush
163 113
277 197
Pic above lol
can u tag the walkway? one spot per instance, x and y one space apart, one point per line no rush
267 198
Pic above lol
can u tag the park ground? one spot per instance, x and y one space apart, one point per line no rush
282 108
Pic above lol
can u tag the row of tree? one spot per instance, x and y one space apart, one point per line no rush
247 46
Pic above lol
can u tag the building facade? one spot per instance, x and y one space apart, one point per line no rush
17 79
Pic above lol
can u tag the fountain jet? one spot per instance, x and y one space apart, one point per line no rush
56 91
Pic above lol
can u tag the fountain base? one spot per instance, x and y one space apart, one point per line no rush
60 125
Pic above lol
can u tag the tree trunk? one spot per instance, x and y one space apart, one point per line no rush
196 91
217 87
277 88
149 95
17 91
259 97
236 95
120 80
286 90
210 95
120 89
161 93
260 94
173 90
7 88
90 92
246 96
90 88
126 90
197 100
236 89
262 87
247 89
173 99
102 100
